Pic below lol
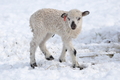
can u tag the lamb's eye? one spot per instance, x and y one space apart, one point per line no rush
68 19
78 18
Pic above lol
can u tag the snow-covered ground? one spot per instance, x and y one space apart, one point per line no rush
100 35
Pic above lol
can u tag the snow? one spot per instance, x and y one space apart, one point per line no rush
100 35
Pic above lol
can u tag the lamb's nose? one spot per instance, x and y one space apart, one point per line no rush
73 25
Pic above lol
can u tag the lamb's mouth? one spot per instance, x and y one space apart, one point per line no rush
73 28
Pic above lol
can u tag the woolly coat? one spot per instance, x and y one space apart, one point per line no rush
50 21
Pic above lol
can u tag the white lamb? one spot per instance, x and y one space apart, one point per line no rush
47 22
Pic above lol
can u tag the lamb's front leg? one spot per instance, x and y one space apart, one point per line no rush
73 53
75 63
62 56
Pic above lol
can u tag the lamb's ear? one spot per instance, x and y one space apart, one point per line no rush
85 13
64 15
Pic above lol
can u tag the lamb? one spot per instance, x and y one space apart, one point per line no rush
47 22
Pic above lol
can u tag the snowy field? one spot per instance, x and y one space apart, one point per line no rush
100 37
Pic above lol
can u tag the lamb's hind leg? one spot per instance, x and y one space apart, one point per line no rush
33 46
43 48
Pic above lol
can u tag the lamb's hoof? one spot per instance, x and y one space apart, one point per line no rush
50 58
60 60
74 66
80 67
33 65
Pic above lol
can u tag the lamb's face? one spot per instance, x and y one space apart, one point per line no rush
74 18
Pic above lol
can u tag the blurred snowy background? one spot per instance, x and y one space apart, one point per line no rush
100 35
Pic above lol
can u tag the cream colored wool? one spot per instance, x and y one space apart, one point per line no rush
47 22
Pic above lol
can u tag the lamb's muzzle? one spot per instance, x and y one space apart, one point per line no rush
73 25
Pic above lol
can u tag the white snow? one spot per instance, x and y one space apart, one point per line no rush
100 35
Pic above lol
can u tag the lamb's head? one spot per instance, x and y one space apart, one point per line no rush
74 18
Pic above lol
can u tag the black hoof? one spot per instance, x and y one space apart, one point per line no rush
33 65
50 58
60 61
74 66
80 67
